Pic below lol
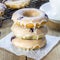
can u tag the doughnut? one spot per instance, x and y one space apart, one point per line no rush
29 29
16 4
2 9
30 17
26 33
28 44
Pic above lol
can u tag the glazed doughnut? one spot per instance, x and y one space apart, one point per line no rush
28 44
16 4
25 33
2 9
29 17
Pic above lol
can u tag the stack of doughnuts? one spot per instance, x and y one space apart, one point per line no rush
29 29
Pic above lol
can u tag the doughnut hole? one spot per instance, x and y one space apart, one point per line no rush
31 13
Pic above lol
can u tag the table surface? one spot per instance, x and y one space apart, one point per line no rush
5 55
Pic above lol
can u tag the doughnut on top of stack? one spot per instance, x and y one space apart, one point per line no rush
29 17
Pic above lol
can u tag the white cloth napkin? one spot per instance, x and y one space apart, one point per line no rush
36 54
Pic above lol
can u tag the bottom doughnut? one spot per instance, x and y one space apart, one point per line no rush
28 44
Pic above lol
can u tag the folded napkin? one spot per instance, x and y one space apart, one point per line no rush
35 54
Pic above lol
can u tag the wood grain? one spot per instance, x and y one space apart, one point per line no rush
4 55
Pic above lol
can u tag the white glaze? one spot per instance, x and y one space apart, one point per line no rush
25 32
26 20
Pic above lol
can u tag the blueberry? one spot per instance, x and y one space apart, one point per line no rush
13 38
32 30
20 18
46 16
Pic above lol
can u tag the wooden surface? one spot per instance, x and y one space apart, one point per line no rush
4 55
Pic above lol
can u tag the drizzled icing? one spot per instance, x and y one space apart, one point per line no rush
24 32
16 17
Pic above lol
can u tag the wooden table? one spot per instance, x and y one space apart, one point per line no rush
4 55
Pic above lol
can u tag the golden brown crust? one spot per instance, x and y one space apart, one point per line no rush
14 5
29 44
